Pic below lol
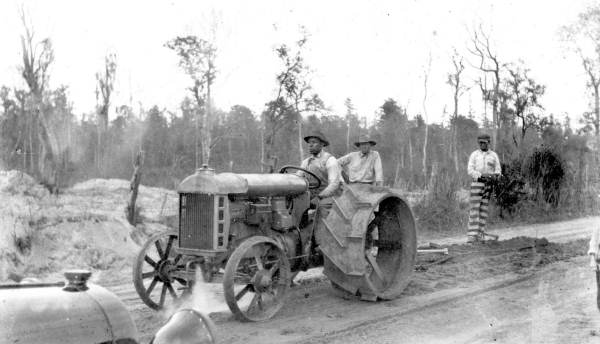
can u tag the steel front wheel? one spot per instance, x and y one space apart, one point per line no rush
152 272
257 279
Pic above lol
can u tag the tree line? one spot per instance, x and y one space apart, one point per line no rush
41 135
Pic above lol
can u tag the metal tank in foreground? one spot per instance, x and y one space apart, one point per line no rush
78 312
74 312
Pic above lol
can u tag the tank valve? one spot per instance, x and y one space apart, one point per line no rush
205 169
76 280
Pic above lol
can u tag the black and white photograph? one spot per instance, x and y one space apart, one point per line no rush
278 171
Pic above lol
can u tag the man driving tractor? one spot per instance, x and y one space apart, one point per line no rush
322 164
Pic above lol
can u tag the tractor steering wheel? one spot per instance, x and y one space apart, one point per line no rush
311 186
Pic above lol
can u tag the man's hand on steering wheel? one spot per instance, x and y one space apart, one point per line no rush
311 186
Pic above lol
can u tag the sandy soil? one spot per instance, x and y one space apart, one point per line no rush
514 291
84 227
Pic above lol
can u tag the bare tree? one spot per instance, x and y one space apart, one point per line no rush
37 58
584 37
197 59
593 72
425 117
458 89
105 81
131 210
524 94
293 98
352 122
488 63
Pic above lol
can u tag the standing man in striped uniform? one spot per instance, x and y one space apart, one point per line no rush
484 167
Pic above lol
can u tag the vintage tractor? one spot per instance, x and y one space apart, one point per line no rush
257 231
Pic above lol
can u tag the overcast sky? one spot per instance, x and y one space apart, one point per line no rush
365 50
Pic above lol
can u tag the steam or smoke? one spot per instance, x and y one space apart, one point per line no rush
209 298
206 298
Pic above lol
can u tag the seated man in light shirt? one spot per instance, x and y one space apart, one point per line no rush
483 167
364 165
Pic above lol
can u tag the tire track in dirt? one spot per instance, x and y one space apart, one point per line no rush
422 303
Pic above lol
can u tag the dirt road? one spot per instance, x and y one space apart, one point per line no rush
510 292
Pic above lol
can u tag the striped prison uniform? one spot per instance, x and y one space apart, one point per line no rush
478 212
480 163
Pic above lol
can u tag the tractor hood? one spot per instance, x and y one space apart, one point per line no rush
206 181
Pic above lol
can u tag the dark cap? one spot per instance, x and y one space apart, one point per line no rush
485 137
319 135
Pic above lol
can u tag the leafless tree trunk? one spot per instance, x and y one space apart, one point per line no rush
37 58
396 174
197 58
432 177
348 135
410 154
104 87
454 80
197 157
349 116
488 63
208 117
584 36
425 119
134 186
262 148
596 109
300 140
402 158
594 83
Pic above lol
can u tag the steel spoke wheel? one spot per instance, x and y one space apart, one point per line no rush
153 271
257 279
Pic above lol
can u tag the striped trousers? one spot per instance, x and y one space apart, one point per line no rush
478 211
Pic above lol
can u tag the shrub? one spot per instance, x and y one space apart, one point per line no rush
544 171
441 210
508 190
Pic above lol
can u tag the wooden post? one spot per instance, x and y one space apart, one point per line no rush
133 188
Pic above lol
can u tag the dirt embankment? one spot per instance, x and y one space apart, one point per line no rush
41 235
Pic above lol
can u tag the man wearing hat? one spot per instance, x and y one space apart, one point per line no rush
483 168
364 165
322 164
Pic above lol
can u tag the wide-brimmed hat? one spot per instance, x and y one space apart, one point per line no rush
364 139
484 137
319 135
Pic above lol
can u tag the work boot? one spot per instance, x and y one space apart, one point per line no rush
488 237
474 237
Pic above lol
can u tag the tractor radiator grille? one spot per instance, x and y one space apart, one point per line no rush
196 219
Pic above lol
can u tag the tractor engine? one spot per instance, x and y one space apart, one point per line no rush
217 211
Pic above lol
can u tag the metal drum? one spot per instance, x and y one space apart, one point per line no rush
76 312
